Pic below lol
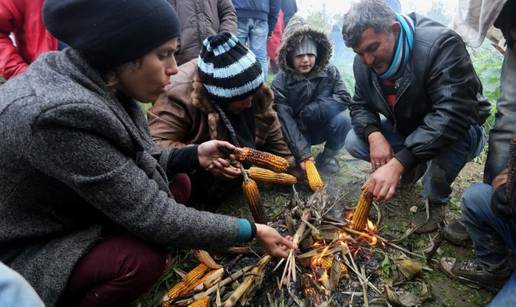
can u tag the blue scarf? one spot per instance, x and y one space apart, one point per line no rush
402 49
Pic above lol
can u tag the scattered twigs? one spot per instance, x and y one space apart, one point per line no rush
350 262
248 282
289 273
364 287
223 282
436 242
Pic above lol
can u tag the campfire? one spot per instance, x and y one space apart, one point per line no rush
339 262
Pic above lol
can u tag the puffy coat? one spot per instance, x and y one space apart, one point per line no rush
439 95
185 115
304 101
200 19
23 19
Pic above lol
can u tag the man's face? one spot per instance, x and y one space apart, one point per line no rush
376 49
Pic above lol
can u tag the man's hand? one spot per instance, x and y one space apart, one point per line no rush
213 156
382 183
273 243
380 150
500 179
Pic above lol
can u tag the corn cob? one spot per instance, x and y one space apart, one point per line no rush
203 302
265 175
198 284
252 194
359 219
314 180
204 257
261 158
181 287
326 263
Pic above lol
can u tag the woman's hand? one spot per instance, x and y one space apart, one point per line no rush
273 243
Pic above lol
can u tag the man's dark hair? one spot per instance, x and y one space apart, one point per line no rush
363 15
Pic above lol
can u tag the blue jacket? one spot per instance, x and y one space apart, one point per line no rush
261 9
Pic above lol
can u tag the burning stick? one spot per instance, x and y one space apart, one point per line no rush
248 281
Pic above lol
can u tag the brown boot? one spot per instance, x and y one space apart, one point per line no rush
431 221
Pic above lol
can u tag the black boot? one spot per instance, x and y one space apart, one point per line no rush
457 234
475 272
431 221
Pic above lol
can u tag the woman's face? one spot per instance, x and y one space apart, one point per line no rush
146 79
240 105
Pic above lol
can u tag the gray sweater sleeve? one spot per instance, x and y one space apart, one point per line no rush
85 148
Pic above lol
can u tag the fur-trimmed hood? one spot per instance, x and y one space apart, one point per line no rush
296 30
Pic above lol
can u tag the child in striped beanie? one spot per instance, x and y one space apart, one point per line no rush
229 71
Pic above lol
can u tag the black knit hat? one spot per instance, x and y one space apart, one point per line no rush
111 32
228 70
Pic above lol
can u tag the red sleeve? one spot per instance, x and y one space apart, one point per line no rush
11 63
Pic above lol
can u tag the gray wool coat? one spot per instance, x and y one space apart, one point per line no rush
75 159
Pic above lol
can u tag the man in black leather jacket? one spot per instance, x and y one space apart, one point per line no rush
418 104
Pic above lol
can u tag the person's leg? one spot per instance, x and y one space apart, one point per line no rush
493 239
243 31
15 291
181 187
115 272
507 295
443 169
258 43
440 174
334 133
359 148
337 130
505 120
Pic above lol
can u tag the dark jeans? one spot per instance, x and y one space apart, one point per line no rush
115 272
494 237
334 132
441 170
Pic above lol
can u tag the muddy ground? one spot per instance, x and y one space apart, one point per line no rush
396 219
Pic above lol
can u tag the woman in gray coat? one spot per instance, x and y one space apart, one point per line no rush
84 198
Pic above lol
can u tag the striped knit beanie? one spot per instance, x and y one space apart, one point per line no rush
228 70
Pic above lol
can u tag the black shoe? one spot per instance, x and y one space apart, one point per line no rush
426 224
457 234
475 272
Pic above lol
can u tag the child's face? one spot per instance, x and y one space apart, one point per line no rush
303 63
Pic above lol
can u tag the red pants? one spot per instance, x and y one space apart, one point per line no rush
115 272
121 267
